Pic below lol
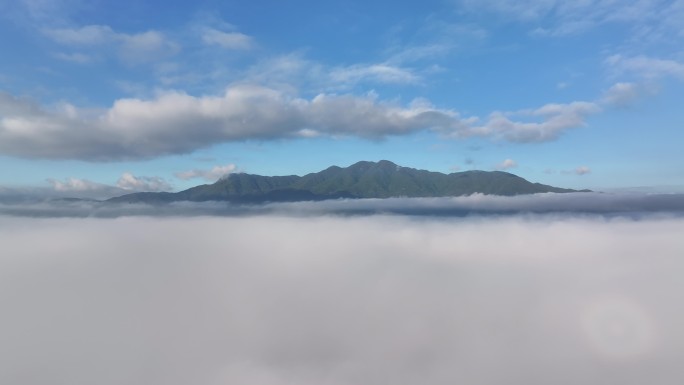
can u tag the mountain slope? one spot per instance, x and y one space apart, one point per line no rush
381 179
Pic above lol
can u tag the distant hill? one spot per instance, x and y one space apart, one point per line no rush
382 179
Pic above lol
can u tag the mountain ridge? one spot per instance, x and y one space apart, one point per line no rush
364 179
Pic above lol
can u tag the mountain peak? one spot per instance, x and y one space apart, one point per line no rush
369 166
368 163
364 179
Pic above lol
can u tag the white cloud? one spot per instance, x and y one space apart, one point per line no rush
647 67
648 19
380 73
146 47
582 170
228 40
128 181
621 94
521 10
555 120
507 164
75 57
639 203
421 51
212 175
133 48
292 71
177 123
41 11
287 73
84 188
360 300
77 185
88 35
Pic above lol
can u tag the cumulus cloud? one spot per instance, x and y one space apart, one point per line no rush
507 164
178 123
340 301
212 175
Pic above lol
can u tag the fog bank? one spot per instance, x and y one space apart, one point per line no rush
277 300
633 205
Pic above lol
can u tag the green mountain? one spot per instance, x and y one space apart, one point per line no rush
382 179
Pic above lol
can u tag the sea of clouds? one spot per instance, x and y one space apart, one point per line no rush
277 297
594 203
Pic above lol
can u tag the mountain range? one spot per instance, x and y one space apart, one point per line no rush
382 179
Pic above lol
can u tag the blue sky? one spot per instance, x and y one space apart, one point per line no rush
127 96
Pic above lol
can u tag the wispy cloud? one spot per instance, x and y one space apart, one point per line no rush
295 72
555 120
228 40
380 73
89 35
563 18
435 40
75 57
621 94
135 48
146 47
646 67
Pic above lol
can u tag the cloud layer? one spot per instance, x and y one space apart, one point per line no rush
178 123
608 205
370 300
